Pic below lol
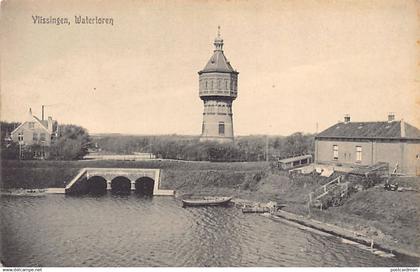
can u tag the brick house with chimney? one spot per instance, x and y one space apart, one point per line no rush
35 132
366 143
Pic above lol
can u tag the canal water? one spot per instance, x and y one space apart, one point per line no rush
110 230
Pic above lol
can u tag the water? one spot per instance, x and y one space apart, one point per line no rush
131 231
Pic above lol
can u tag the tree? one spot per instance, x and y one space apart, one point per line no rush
72 143
297 144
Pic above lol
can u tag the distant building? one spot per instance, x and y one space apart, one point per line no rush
34 131
366 143
218 88
289 163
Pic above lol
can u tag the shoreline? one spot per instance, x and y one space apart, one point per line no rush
315 226
331 229
391 219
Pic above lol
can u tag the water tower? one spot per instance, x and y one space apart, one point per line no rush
218 88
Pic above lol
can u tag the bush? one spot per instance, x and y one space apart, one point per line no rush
71 144
249 148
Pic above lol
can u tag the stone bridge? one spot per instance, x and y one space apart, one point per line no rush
145 181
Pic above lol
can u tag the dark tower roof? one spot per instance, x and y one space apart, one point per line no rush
218 62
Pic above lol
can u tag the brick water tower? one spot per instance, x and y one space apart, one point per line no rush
218 88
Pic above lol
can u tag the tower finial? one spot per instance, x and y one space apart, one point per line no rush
218 42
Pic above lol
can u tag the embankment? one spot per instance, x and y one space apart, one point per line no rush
386 216
44 174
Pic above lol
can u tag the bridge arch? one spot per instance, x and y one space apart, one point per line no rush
96 185
121 185
145 186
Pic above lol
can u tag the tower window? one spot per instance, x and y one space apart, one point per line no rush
221 128
206 84
202 128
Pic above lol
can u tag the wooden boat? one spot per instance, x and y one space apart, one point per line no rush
255 209
262 208
206 201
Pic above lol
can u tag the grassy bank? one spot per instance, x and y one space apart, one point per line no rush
43 174
392 217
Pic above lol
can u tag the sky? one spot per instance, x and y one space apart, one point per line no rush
300 63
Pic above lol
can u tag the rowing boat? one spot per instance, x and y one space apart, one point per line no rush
206 201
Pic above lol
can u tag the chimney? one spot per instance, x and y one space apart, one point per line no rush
402 128
391 117
347 118
42 113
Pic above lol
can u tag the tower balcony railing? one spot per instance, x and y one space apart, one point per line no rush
229 93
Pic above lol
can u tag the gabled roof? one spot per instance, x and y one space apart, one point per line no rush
369 130
218 63
44 124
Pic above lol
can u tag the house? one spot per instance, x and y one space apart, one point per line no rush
35 132
367 143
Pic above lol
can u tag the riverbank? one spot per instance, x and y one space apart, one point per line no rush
388 217
46 174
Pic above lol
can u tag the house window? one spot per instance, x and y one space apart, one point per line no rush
20 137
221 128
42 137
358 153
35 137
31 124
335 152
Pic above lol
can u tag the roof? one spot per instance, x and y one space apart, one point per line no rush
295 158
44 124
369 130
218 63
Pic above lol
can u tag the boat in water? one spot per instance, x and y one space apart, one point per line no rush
255 209
206 201
269 207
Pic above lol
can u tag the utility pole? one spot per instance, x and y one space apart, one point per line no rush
20 150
